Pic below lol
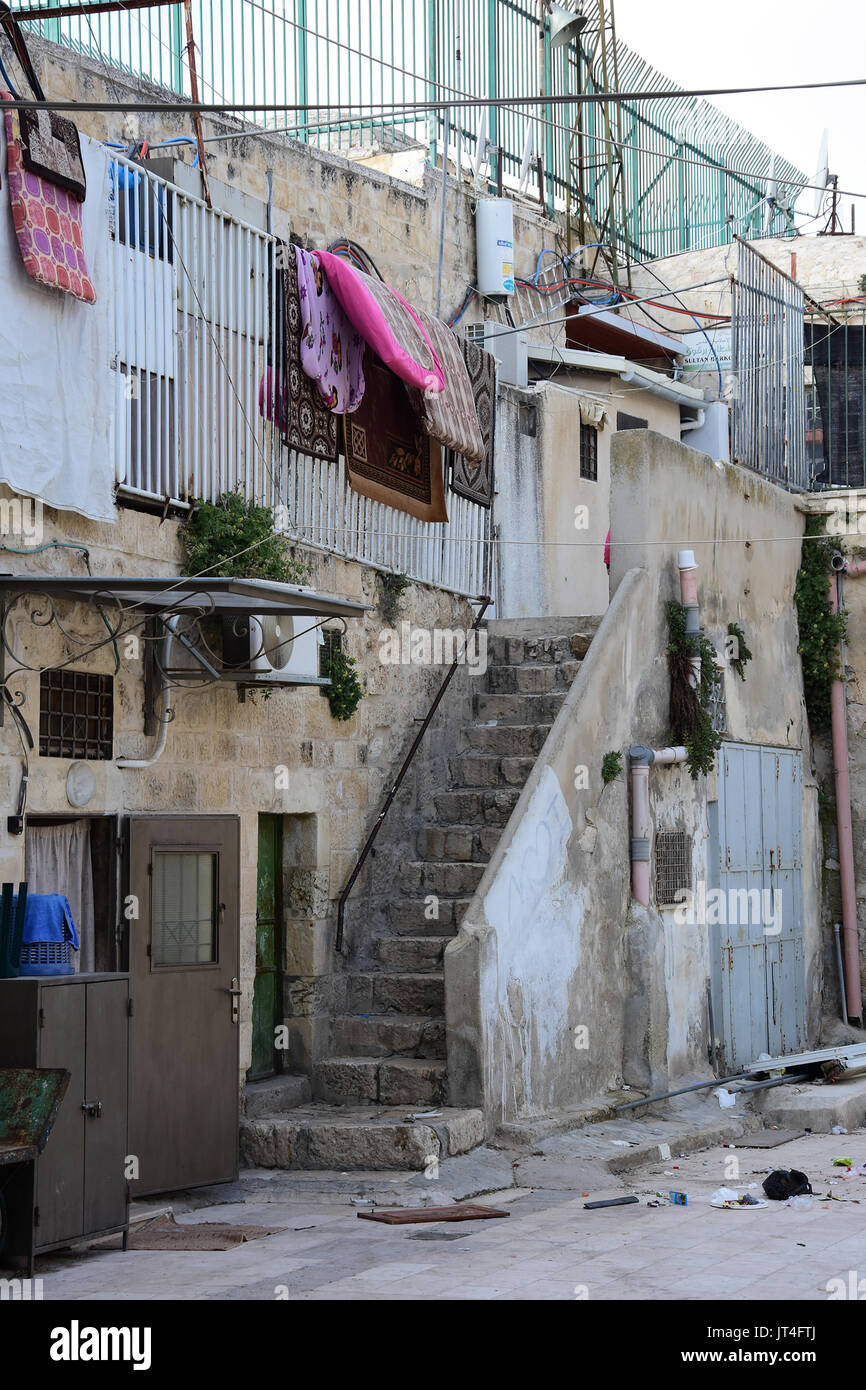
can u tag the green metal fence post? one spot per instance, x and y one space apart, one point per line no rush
177 49
548 113
432 70
493 89
303 76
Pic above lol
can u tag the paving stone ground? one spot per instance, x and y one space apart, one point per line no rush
549 1248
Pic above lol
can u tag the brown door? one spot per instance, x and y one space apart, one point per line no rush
183 960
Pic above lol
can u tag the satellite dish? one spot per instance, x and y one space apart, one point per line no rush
526 161
771 199
564 25
822 177
480 144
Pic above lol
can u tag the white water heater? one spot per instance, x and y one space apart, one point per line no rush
494 247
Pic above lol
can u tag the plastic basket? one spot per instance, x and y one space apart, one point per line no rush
46 958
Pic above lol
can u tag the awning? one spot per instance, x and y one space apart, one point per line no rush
177 594
611 332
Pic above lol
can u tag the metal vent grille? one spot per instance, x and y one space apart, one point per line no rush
673 850
76 715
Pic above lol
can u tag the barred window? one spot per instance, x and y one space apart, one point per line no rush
673 851
76 715
589 453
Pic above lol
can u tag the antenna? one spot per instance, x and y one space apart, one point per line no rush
480 144
771 200
822 177
526 162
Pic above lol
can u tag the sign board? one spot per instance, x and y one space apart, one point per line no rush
698 356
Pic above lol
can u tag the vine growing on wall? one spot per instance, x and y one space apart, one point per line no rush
690 717
740 655
821 631
345 692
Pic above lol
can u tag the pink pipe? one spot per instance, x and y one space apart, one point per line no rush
839 726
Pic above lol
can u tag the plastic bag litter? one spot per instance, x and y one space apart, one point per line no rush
726 1098
801 1203
839 1129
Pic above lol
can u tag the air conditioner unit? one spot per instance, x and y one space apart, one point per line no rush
284 647
510 348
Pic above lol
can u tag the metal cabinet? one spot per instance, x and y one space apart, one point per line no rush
78 1187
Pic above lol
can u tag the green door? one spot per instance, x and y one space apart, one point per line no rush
267 1003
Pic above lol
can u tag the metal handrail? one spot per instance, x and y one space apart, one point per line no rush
407 761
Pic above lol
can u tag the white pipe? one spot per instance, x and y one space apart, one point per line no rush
165 694
697 424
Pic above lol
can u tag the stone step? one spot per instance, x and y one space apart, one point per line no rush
381 1081
408 916
503 650
343 1138
406 1035
487 770
450 878
534 678
463 843
414 954
276 1094
518 709
506 740
485 807
383 992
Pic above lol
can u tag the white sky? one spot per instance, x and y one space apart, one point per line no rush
735 43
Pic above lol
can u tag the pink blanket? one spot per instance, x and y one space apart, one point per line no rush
385 321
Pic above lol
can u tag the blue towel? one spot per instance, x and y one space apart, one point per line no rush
48 917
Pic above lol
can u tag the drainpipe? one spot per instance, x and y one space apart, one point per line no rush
689 597
165 693
641 759
696 424
839 727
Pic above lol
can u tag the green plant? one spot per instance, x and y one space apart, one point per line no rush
743 655
394 587
821 631
611 766
345 692
233 538
690 718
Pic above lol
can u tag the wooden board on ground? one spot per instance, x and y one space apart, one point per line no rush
406 1216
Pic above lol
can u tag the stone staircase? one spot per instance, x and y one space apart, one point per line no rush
389 1046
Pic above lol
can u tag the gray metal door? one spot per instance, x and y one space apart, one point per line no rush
757 942
183 959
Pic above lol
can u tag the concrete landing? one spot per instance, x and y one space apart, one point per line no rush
345 1137
816 1107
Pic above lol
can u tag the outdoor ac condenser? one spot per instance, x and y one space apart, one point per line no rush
274 645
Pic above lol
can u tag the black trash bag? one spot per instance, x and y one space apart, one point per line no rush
783 1183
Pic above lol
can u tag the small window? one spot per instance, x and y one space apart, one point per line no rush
630 422
589 453
184 903
673 851
76 715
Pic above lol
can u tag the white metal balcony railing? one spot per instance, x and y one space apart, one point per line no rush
195 308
